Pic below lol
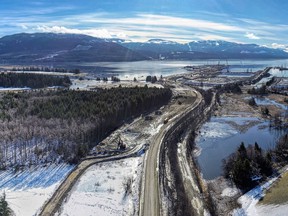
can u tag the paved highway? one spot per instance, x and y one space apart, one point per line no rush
150 203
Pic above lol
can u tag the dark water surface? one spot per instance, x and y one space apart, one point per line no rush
139 69
220 137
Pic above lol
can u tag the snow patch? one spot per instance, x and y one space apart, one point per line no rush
229 192
27 190
100 190
249 200
217 130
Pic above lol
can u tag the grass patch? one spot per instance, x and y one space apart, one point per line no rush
278 193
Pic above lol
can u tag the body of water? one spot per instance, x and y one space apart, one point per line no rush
140 69
221 136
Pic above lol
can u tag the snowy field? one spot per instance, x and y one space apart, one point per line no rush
27 190
13 89
100 191
92 83
250 206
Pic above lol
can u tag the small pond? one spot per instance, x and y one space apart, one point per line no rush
221 136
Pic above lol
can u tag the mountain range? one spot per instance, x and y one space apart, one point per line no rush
50 47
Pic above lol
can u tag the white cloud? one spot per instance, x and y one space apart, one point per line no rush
264 26
161 20
144 26
279 46
100 33
252 36
213 37
24 26
134 32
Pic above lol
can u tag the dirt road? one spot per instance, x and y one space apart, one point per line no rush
52 206
187 99
150 196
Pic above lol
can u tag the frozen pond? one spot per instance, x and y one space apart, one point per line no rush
222 135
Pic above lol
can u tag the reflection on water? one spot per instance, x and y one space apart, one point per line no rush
129 70
219 138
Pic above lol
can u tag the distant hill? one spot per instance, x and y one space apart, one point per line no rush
50 47
157 48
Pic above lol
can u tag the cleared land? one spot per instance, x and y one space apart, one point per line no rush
278 194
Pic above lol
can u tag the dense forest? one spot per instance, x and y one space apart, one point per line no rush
30 80
52 126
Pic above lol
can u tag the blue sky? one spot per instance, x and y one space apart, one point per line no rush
255 21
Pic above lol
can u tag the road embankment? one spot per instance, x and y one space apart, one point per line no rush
180 180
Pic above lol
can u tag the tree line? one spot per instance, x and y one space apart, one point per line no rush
248 166
258 91
21 80
46 69
51 126
115 103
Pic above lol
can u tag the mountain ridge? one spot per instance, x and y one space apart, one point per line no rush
205 49
51 47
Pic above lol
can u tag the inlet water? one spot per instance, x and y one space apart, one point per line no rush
140 69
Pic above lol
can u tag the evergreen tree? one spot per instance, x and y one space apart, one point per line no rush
4 208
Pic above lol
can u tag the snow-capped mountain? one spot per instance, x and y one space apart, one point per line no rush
203 50
50 47
160 41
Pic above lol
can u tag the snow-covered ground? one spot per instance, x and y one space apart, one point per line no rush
271 210
100 190
14 89
229 192
92 83
27 190
47 73
250 206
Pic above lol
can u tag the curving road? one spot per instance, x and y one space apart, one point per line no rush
150 196
54 203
